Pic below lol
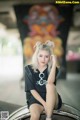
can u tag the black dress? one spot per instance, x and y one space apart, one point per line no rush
37 81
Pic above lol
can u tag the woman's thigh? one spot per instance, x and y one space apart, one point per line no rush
36 109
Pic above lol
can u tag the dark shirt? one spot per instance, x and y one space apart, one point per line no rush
36 80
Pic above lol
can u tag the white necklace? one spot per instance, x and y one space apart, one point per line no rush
41 81
41 75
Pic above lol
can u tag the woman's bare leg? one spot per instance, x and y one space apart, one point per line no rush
51 99
35 110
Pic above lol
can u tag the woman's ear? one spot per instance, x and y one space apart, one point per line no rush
51 58
50 61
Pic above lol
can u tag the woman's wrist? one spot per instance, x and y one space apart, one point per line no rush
54 65
43 103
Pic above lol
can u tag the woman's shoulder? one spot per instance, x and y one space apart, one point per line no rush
29 66
57 67
28 70
58 72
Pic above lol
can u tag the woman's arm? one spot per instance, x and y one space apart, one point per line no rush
51 77
38 97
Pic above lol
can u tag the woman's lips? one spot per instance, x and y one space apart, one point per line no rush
43 62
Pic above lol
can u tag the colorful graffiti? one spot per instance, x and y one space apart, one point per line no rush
43 22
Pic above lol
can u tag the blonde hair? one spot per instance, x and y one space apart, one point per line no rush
48 46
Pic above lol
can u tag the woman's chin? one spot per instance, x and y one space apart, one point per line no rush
42 64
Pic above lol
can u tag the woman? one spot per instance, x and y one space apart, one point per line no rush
40 82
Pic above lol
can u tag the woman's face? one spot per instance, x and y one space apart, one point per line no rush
43 57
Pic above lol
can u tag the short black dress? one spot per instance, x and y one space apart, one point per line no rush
37 81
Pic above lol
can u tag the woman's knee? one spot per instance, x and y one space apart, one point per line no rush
35 111
35 116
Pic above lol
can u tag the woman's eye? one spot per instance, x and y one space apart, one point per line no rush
46 56
40 55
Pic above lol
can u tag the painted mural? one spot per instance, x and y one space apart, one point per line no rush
43 22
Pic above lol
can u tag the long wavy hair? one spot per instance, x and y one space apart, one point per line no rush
48 46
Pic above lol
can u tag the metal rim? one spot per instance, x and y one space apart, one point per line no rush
24 112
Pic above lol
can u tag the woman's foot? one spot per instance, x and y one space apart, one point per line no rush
48 118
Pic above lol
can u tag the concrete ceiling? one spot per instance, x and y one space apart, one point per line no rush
7 15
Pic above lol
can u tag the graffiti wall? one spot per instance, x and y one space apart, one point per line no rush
42 22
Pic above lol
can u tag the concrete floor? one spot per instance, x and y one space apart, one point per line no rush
12 95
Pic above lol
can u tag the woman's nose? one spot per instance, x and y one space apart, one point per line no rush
43 59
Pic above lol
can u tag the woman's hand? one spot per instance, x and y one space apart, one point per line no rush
44 105
54 59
